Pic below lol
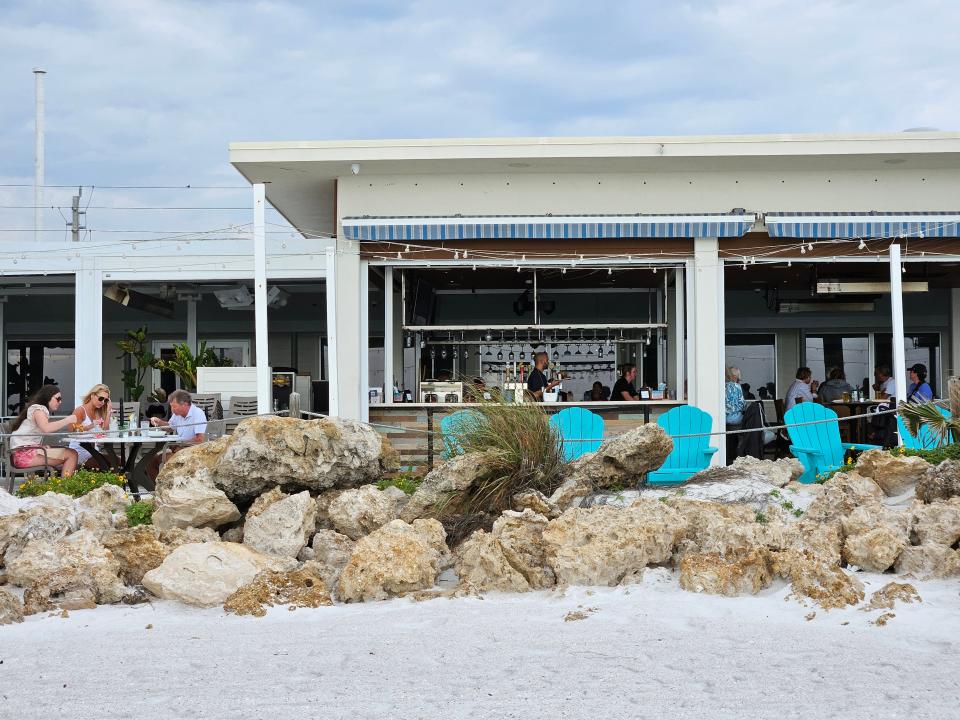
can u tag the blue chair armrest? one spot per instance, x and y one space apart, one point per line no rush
860 446
806 451
710 450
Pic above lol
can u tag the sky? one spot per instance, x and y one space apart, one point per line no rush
150 92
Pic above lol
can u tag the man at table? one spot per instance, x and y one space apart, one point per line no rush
187 420
537 383
885 386
803 389
624 389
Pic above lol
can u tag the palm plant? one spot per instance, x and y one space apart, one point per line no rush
929 414
184 363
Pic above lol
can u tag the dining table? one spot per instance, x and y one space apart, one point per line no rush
129 452
858 427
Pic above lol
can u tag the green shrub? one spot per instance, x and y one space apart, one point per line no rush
140 513
80 483
408 482
935 456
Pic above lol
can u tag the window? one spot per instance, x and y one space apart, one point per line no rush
756 356
920 348
849 352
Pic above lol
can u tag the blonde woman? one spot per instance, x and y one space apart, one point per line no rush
93 414
735 402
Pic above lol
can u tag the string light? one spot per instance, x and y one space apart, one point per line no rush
862 244
456 255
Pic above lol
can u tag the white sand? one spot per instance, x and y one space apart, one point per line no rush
645 651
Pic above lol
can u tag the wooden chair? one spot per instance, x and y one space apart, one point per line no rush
451 426
843 411
925 439
690 454
240 407
817 445
580 431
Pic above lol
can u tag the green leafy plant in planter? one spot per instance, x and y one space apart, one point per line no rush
184 363
80 483
135 344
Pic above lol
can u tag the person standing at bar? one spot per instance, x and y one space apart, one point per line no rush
624 389
537 383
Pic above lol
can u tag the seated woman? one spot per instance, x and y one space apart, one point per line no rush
735 402
835 387
919 390
93 414
32 423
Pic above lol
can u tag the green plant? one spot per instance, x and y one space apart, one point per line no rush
798 513
408 482
786 505
936 455
80 483
617 488
135 345
928 414
140 513
760 517
184 363
523 451
775 493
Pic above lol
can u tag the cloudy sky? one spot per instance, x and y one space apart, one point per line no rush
149 92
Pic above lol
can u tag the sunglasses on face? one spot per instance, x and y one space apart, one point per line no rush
102 399
58 398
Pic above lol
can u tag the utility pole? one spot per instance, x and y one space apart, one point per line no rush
38 74
75 213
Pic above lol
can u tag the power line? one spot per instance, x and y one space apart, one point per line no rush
135 187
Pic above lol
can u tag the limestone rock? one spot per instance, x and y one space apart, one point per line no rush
603 545
185 495
294 588
284 527
751 470
323 501
301 454
331 551
11 609
442 486
827 585
937 523
940 482
46 521
840 495
81 552
928 561
822 540
624 459
206 574
137 550
730 574
875 536
68 588
482 566
894 474
234 534
570 493
521 538
9 504
395 559
264 501
885 597
537 502
175 537
359 512
106 499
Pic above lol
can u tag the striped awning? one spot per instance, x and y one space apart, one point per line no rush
550 227
865 225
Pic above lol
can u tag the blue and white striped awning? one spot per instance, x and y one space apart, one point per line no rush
549 227
865 225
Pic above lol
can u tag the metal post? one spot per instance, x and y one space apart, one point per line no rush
896 307
264 382
679 322
38 160
388 338
364 307
192 325
332 355
75 213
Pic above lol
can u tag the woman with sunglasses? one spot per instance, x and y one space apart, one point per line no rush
32 423
93 414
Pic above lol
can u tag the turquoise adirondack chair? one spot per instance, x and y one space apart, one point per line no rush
817 446
580 430
926 439
690 454
450 427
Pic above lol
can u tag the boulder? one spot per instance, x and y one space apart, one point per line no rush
104 499
825 584
749 470
45 521
444 485
840 495
570 494
875 536
233 534
520 535
895 474
624 459
11 609
80 551
185 495
482 566
284 527
331 552
537 502
604 545
323 502
206 574
138 550
175 537
821 540
293 588
730 574
301 455
264 501
395 559
9 504
68 588
937 523
940 482
929 561
358 512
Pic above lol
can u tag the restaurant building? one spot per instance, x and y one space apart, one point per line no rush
420 260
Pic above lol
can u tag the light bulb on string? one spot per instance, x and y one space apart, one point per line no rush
456 255
862 245
399 256
609 271
803 250
654 269
466 254
810 247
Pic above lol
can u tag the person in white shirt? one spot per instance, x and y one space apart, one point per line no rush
885 385
186 419
803 388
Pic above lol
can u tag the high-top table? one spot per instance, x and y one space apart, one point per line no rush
129 453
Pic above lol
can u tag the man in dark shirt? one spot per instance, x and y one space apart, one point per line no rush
624 388
537 382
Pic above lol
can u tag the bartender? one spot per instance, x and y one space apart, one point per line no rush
537 382
624 389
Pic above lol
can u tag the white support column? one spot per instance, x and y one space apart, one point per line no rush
707 346
332 355
264 381
363 304
351 382
679 324
88 330
896 308
691 330
952 366
388 339
192 325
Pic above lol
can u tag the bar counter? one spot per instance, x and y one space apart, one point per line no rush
413 428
